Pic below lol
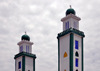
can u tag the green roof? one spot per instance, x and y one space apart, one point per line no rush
70 11
25 37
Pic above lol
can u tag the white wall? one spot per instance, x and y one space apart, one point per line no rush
24 47
71 23
78 38
64 47
17 60
28 63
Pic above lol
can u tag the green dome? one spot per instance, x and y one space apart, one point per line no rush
70 11
25 37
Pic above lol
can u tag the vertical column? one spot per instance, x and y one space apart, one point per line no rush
58 54
82 54
71 51
33 64
23 63
15 65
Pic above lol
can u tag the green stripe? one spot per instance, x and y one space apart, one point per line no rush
58 54
71 30
23 63
25 54
33 64
71 51
82 54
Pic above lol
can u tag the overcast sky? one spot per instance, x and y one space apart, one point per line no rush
41 20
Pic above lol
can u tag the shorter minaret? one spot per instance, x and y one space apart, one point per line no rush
25 60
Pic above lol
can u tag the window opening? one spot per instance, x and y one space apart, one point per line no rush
19 65
21 48
27 48
76 62
67 25
75 24
77 70
76 54
76 44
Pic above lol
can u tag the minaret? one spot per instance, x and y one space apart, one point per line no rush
25 60
70 43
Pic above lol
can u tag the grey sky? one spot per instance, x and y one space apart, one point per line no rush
41 20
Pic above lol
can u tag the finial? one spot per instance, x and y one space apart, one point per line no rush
25 32
70 6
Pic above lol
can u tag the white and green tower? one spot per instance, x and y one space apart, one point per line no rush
70 43
25 60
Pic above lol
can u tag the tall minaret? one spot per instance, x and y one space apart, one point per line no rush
70 43
25 60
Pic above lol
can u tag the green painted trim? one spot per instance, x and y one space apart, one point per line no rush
33 64
23 63
71 51
82 54
71 30
25 54
58 54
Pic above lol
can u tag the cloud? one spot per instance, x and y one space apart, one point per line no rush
41 20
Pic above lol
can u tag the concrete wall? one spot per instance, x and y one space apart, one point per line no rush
78 38
64 47
28 63
72 23
16 63
24 47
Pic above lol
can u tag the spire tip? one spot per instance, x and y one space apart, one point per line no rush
25 32
70 6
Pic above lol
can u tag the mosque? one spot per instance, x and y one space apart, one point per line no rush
70 47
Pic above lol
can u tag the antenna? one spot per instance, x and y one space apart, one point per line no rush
70 6
25 32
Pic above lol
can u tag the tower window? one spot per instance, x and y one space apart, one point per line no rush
76 62
75 25
19 65
77 70
76 44
21 48
76 54
67 25
27 48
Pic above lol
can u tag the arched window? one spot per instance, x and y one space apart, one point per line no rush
76 54
77 70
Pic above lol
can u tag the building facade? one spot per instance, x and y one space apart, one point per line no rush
70 43
25 60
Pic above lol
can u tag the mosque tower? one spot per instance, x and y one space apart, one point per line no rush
25 60
70 43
